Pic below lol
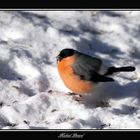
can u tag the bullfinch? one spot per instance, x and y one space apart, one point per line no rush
81 72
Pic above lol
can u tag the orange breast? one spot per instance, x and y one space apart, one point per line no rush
70 80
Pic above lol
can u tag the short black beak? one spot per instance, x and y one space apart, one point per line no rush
57 58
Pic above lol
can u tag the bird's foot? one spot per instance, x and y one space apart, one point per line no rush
71 93
75 96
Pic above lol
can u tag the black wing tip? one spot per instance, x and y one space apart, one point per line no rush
103 79
108 79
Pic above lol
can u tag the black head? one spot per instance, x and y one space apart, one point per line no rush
65 53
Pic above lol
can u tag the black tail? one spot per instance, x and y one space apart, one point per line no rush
112 70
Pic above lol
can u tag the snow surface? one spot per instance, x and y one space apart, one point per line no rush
32 95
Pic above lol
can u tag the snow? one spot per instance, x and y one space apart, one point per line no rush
32 94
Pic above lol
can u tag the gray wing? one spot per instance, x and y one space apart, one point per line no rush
87 68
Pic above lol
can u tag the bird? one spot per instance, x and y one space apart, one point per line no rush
81 72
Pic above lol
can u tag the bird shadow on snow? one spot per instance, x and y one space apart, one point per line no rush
113 90
106 92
